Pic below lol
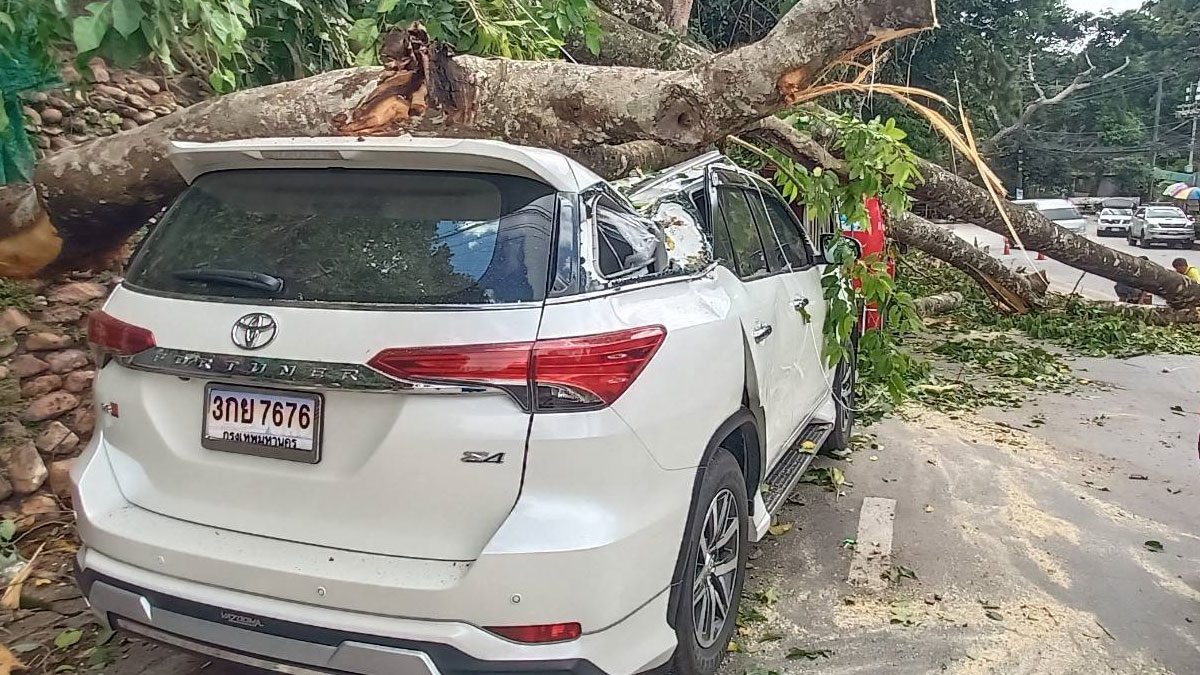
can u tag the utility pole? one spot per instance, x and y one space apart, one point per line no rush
1154 144
1193 109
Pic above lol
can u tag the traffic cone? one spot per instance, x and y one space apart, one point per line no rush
1007 247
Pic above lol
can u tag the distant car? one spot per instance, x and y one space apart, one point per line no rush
1114 222
1161 225
1062 212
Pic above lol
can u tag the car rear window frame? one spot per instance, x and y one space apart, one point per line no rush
145 247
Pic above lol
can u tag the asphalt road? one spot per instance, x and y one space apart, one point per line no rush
1027 540
1064 278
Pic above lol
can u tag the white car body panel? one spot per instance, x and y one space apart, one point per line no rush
393 533
382 152
372 441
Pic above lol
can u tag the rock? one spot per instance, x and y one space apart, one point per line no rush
7 346
46 341
77 291
99 69
45 143
39 505
164 99
81 420
13 430
67 359
69 74
104 103
52 436
148 85
52 131
75 125
127 111
162 109
3 372
61 103
59 478
79 380
50 405
12 320
139 102
26 470
32 115
60 143
115 93
27 365
145 116
40 386
62 314
38 97
128 125
6 489
51 116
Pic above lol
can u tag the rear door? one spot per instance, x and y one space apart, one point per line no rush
805 295
770 331
325 366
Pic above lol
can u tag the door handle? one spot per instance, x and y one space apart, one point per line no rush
799 304
762 331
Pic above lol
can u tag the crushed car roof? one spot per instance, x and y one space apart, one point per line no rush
193 159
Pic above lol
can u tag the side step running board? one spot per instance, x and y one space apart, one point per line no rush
791 466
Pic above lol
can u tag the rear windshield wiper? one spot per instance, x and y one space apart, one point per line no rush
243 278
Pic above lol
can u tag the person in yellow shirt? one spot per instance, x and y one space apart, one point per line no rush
1185 269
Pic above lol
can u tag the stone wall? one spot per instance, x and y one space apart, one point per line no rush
46 409
114 100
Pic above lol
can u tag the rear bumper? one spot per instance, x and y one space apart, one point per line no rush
594 538
267 634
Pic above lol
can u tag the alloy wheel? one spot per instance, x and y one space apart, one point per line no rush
716 569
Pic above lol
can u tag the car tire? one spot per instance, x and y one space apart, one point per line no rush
843 388
721 493
1129 238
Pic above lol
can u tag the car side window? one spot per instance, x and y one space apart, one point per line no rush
779 220
734 214
625 243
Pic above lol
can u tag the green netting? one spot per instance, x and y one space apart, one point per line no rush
21 70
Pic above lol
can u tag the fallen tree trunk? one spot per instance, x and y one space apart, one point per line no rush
1008 288
932 305
953 197
96 193
950 195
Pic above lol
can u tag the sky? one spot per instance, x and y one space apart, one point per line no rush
1097 6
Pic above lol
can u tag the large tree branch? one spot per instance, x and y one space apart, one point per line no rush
96 193
953 197
1081 82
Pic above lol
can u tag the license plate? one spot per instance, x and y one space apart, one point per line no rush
262 422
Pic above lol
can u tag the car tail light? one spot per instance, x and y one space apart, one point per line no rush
561 374
111 336
551 632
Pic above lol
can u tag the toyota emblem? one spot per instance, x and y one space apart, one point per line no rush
254 331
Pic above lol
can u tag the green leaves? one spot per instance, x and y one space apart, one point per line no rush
127 16
68 637
88 30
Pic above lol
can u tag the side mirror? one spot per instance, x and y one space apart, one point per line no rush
830 241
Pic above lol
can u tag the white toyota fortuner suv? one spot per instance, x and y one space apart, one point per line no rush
417 407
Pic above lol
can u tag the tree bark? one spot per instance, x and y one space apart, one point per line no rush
96 193
1009 289
953 197
932 305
